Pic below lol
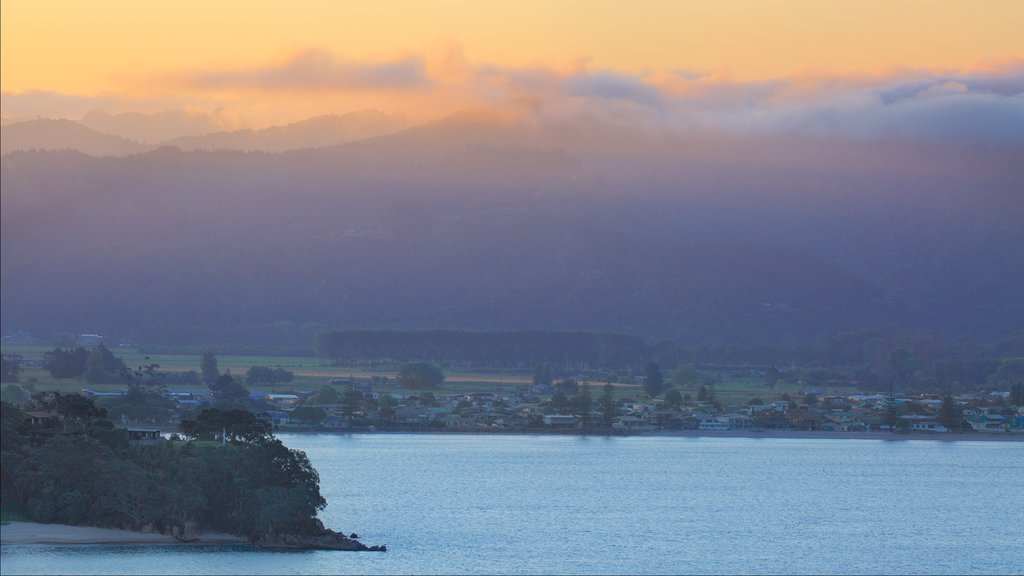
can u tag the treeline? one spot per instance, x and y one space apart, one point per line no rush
228 350
859 347
521 350
88 473
96 365
272 339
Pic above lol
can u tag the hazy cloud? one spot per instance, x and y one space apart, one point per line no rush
319 70
611 86
48 104
981 104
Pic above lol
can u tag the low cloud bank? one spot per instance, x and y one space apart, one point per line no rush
977 105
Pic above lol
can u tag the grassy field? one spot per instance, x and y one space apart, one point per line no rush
311 373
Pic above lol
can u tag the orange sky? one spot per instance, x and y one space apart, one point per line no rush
211 53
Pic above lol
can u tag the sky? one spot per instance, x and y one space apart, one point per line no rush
753 62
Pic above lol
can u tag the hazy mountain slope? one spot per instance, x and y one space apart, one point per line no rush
315 132
46 134
152 128
473 224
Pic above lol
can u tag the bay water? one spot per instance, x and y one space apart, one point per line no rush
565 504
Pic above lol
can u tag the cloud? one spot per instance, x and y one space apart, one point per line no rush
318 70
49 104
978 104
612 86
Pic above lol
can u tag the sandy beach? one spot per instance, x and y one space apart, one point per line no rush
820 435
33 533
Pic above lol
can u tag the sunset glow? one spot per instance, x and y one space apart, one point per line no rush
429 58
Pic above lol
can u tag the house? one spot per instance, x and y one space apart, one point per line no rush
94 394
144 436
988 423
928 426
632 423
90 339
410 415
737 421
559 421
38 419
287 399
275 417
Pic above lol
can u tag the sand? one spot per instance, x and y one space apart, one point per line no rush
33 533
821 435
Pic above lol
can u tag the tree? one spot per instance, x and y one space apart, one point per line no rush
559 401
567 386
1017 394
581 404
386 407
891 416
702 394
810 399
607 403
14 394
685 375
351 402
309 414
420 376
65 363
267 375
771 376
542 374
10 368
326 394
952 415
101 366
241 427
654 382
673 399
208 367
227 388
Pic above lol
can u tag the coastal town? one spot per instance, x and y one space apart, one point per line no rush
535 410
347 406
693 399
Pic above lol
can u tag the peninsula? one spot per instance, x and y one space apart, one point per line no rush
78 479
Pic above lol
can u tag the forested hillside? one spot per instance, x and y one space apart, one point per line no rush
473 224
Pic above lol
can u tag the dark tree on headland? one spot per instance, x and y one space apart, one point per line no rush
245 482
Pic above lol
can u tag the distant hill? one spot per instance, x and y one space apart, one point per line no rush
315 132
487 223
46 134
154 128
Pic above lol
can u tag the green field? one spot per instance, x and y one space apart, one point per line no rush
311 373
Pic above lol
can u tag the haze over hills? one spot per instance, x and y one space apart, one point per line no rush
47 134
318 132
485 222
103 134
154 128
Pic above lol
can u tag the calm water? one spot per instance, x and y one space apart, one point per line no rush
558 504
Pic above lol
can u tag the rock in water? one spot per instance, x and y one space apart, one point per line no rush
311 536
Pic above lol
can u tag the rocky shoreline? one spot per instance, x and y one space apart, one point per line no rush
313 537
